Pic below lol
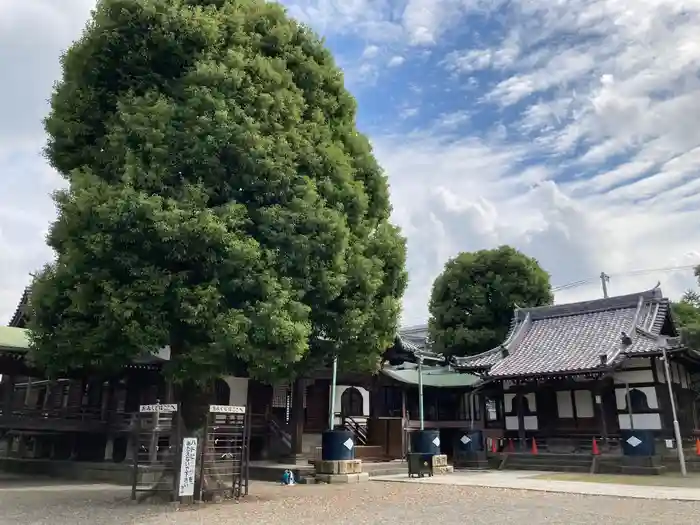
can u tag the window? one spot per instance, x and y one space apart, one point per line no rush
351 403
639 401
492 409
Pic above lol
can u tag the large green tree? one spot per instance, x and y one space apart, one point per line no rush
472 301
221 201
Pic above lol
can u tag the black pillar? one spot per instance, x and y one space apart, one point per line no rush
297 417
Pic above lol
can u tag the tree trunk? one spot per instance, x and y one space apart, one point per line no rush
194 405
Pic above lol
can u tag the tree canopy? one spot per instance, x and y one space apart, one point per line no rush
686 313
221 200
472 301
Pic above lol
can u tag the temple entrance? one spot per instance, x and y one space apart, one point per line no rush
351 403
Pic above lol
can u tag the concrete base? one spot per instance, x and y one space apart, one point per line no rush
471 460
342 478
349 466
642 466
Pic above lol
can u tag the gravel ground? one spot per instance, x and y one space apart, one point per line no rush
375 503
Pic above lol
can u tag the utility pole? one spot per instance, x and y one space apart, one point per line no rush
674 412
604 280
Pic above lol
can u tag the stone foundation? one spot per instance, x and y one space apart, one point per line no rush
350 466
343 478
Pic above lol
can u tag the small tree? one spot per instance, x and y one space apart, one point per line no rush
472 301
686 313
221 201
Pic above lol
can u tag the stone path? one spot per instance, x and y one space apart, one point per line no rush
525 480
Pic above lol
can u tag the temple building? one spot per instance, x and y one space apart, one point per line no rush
569 383
90 421
569 375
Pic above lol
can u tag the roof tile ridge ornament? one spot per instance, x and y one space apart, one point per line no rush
637 313
516 338
20 310
466 359
627 337
593 305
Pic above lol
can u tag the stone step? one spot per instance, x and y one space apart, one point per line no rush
389 471
547 467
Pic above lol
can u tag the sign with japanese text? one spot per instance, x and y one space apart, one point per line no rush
167 408
188 466
226 409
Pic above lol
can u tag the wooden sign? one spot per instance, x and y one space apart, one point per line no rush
188 466
151 409
226 409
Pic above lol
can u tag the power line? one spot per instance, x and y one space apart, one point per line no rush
591 280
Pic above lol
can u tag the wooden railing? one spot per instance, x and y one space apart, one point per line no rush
69 413
357 427
561 444
279 432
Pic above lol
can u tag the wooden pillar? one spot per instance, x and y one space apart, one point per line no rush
297 418
169 392
108 415
22 446
153 444
8 385
28 392
376 409
519 399
48 397
599 403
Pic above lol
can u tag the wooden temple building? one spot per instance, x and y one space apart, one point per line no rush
588 376
90 420
568 380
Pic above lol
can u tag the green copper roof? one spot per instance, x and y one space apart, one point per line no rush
439 376
14 338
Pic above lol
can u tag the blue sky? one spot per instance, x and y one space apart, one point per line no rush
567 128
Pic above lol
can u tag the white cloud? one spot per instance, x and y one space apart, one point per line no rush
396 61
370 51
466 195
589 164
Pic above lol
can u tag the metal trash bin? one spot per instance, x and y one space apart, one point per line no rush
420 464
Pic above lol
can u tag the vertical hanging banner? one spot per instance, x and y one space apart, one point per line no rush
188 465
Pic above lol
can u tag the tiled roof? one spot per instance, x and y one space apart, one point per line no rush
572 337
18 317
409 344
416 335
481 361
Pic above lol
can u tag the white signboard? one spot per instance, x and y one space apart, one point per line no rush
188 465
226 409
169 408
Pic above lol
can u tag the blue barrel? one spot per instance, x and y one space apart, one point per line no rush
638 443
337 445
425 442
470 441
